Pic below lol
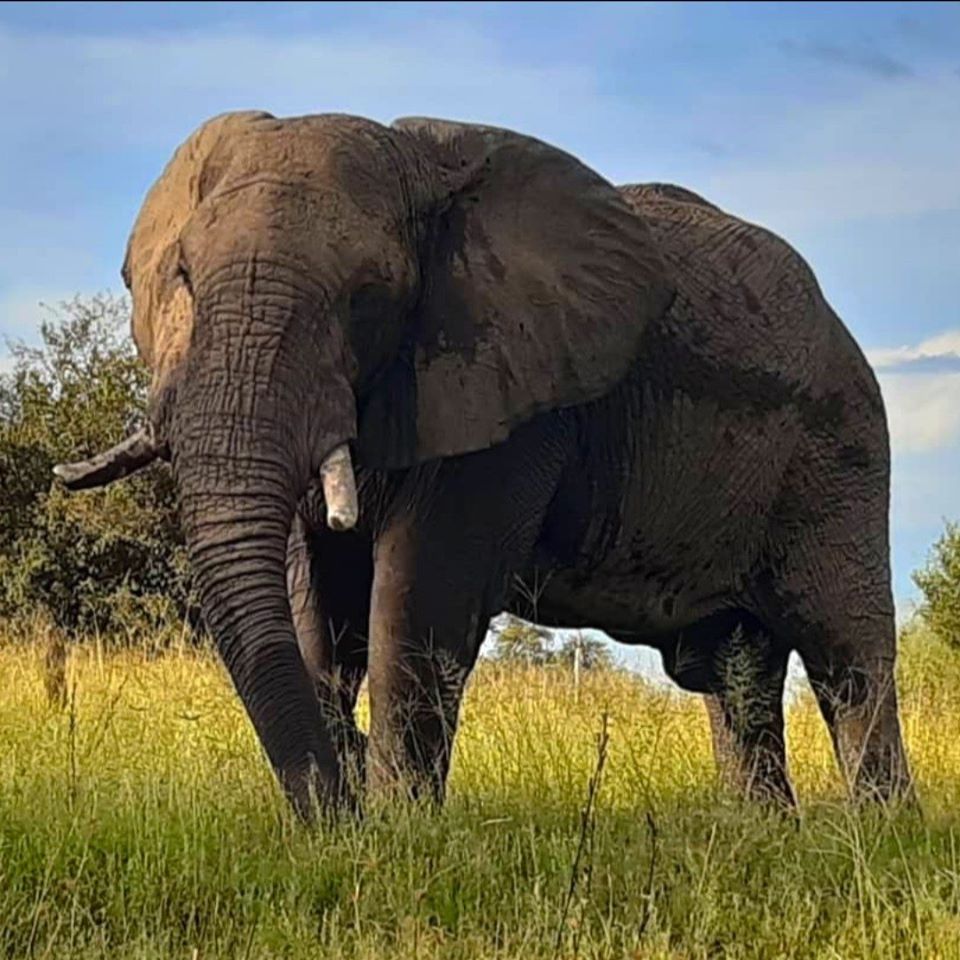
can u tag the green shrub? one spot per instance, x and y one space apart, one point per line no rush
939 582
107 560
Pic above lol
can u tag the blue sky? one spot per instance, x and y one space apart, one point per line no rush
836 125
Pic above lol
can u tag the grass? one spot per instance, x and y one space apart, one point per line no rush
141 821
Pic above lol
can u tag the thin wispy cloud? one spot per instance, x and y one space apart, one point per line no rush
177 80
22 311
887 152
863 59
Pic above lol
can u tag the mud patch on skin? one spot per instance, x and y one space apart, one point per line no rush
447 322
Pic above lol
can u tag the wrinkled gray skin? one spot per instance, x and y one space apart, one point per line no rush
630 398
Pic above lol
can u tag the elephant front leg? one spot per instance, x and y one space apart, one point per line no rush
746 716
426 629
328 579
442 567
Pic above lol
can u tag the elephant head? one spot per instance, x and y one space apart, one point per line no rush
301 286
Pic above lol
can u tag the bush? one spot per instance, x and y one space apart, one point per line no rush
105 559
939 581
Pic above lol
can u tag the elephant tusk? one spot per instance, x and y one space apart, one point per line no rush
137 451
339 489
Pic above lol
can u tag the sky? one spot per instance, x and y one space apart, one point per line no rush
836 125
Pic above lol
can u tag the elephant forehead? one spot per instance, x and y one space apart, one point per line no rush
328 154
333 154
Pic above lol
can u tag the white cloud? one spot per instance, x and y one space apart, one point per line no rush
943 347
921 391
923 410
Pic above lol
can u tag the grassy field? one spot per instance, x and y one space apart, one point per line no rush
142 821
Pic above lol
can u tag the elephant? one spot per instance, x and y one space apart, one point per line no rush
402 372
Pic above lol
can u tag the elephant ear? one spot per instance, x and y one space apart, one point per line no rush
162 303
538 283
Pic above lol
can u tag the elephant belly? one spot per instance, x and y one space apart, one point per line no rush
634 608
679 527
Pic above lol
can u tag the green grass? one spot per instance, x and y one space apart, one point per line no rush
142 821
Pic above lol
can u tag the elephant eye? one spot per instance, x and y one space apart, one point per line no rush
183 274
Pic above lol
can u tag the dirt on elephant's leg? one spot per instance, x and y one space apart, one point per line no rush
746 716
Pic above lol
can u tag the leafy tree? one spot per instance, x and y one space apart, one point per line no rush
105 558
518 642
594 654
939 581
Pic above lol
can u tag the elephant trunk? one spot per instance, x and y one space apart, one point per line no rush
262 403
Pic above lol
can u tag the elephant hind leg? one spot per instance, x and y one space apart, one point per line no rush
828 592
746 714
858 701
741 668
846 641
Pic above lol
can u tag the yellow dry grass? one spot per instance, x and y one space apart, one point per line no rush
140 820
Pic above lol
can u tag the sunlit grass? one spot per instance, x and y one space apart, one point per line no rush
141 821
